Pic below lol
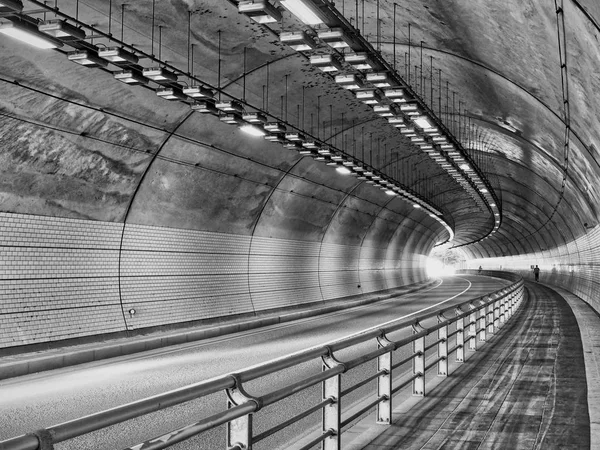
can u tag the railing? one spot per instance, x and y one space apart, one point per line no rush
469 323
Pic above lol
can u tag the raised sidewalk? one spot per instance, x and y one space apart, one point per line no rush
534 385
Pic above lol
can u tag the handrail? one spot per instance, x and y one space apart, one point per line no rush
472 317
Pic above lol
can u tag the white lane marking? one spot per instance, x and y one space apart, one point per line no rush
274 327
156 353
413 313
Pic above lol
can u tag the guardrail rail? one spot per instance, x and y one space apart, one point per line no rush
458 328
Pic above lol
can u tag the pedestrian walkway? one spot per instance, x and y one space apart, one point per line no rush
526 389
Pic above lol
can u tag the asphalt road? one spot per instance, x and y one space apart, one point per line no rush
41 400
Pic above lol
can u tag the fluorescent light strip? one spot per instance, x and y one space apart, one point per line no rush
304 10
29 34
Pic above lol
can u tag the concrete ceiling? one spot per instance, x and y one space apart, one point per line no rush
77 143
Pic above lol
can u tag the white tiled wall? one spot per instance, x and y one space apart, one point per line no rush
575 266
59 278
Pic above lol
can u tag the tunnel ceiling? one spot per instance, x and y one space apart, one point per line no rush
516 82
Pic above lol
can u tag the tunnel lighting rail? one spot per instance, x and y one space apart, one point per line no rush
473 319
133 74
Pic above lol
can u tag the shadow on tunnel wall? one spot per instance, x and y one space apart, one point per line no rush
574 266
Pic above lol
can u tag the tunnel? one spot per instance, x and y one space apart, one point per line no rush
172 164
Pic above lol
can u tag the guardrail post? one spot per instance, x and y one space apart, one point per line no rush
491 325
472 327
497 304
239 431
503 308
442 348
419 362
460 336
482 325
332 413
384 381
511 306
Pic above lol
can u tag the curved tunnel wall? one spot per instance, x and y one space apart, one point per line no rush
123 201
574 266
218 226
62 278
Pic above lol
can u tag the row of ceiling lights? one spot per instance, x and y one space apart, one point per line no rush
56 33
376 88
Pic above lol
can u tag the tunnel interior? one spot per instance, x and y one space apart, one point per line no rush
122 210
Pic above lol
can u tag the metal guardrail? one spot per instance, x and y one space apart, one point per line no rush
473 320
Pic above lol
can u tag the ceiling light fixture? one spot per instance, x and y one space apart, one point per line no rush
232 119
29 33
88 58
298 40
384 110
171 93
205 107
349 81
253 129
379 79
255 117
275 137
230 106
311 144
422 122
368 96
260 11
396 95
360 61
198 92
295 136
275 127
131 77
343 170
326 63
335 38
293 145
159 75
61 29
411 109
304 10
118 56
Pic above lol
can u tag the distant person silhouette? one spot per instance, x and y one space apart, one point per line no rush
480 268
536 273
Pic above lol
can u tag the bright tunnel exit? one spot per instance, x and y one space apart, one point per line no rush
444 262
